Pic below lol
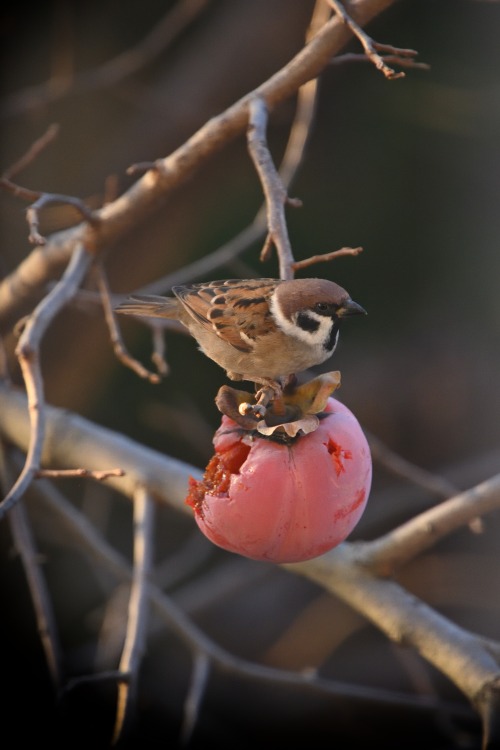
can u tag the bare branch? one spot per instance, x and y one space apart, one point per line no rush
118 217
40 199
32 153
46 622
77 527
403 57
114 331
26 548
99 476
46 199
399 466
28 354
424 530
138 607
274 190
326 257
71 440
199 679
159 350
463 657
403 62
460 655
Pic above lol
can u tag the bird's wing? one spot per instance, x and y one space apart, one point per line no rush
236 310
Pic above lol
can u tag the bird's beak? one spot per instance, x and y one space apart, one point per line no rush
349 307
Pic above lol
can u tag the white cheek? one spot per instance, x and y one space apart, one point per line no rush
311 338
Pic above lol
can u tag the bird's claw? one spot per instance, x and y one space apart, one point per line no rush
252 410
266 395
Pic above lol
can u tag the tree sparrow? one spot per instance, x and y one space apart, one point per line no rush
262 330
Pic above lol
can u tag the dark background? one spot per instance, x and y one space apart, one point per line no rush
408 169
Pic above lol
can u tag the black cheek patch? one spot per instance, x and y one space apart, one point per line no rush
307 323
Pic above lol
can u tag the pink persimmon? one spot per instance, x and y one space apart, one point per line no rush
284 501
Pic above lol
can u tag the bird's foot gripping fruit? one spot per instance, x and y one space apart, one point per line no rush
288 491
293 411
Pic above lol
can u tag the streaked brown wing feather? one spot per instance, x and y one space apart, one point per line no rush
233 309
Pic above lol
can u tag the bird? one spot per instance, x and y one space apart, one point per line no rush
259 330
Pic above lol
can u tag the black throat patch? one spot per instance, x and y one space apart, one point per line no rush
331 341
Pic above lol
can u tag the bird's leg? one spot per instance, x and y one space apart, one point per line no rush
289 383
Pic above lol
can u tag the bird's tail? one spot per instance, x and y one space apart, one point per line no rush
150 306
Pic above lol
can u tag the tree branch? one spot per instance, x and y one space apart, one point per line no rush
29 358
405 619
274 190
421 532
399 56
138 608
298 265
76 527
465 658
115 335
130 209
25 546
72 440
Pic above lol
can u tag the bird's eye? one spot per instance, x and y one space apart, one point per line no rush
321 307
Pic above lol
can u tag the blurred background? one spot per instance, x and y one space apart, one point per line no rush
409 170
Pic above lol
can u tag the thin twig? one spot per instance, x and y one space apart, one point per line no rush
37 198
110 675
305 108
46 199
114 331
403 62
199 679
32 153
372 48
40 200
326 257
396 464
138 607
40 596
158 357
99 476
272 185
29 359
25 546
